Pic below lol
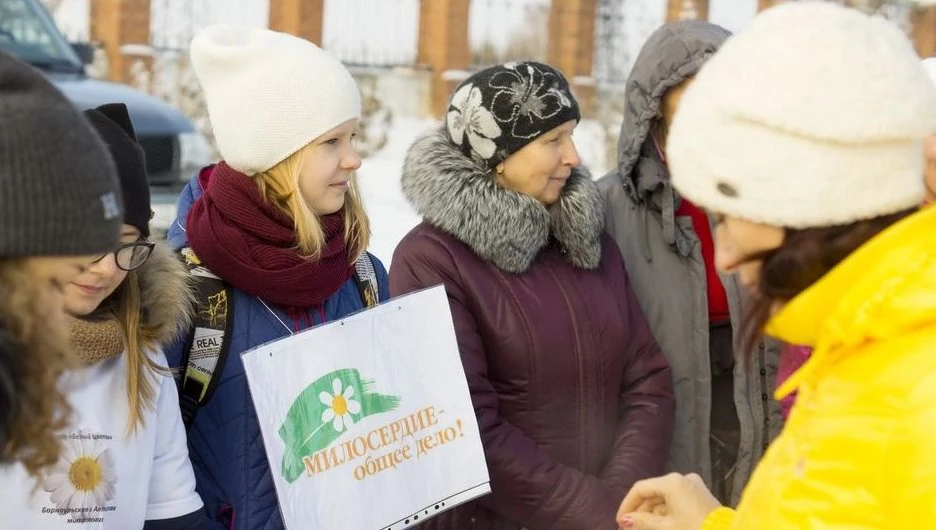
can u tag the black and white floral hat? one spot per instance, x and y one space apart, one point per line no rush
497 111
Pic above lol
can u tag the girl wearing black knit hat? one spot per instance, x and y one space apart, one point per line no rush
125 462
59 206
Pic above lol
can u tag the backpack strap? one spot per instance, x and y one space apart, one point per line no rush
209 340
366 278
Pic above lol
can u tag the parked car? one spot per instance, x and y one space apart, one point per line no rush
174 148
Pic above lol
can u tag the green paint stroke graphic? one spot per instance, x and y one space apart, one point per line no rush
324 411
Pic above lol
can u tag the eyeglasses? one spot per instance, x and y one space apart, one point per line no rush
130 256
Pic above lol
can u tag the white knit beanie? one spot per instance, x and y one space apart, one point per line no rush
812 116
269 94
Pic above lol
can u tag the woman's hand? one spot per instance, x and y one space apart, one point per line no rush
673 502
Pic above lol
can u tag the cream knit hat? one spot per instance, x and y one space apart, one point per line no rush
812 116
269 94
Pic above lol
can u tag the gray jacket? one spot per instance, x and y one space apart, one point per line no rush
664 259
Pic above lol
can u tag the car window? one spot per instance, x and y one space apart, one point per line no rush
28 33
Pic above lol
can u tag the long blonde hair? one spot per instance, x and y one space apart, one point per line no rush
153 306
43 355
127 308
280 186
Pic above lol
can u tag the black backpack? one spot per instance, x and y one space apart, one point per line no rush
209 341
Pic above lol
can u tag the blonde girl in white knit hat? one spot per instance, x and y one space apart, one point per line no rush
803 137
280 221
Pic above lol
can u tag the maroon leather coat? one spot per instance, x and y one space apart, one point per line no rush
572 394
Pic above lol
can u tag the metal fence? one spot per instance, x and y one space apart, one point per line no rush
385 33
507 30
359 32
173 23
381 33
504 30
612 56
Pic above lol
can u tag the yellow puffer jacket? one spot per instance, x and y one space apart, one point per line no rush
859 449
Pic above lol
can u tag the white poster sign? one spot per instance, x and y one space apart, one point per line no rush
367 421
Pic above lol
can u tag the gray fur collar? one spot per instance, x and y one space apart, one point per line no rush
501 226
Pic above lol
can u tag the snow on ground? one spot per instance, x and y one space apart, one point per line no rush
390 214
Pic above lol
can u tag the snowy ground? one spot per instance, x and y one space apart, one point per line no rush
379 177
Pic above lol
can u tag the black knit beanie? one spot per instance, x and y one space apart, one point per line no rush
59 194
112 122
497 111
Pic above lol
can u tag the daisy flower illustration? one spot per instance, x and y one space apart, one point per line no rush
84 476
468 119
340 406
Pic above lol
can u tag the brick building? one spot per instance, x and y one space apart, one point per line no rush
443 44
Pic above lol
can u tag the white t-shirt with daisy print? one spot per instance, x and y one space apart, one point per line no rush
105 479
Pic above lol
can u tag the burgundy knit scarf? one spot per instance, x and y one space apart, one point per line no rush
252 245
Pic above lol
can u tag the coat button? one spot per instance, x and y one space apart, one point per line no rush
763 371
764 397
761 346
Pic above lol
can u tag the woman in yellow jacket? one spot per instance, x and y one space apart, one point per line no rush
803 139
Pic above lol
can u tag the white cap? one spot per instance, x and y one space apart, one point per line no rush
812 116
269 94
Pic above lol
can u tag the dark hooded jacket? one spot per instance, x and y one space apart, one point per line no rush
572 395
664 259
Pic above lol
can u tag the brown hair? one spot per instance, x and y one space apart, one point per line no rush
280 186
41 409
803 258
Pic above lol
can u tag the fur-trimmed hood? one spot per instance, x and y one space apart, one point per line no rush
502 226
166 296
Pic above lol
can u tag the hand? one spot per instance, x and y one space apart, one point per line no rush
673 502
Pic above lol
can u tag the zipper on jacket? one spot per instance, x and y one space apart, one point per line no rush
765 403
759 443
